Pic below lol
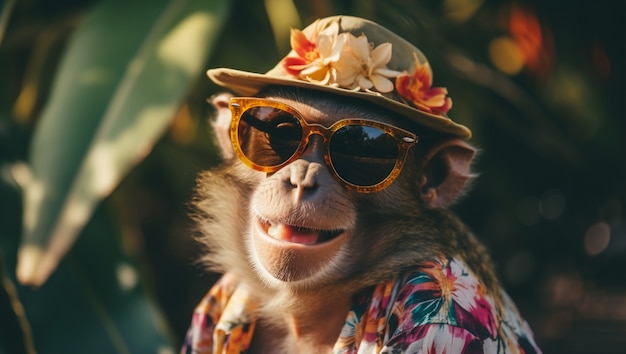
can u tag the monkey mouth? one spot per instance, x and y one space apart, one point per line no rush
298 234
292 253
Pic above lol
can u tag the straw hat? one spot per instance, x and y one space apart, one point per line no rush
354 57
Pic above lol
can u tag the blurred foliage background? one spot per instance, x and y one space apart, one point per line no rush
103 128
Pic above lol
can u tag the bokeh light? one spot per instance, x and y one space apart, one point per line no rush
597 238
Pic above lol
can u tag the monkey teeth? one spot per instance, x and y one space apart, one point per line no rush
301 235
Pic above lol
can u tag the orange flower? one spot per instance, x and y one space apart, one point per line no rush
416 88
315 54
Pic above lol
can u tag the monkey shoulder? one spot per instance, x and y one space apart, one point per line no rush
442 304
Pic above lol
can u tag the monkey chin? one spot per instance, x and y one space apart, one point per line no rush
294 254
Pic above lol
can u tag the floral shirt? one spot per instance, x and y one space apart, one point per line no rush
441 307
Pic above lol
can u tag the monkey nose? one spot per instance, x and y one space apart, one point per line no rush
304 177
303 173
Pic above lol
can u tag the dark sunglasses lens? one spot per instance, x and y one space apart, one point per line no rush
363 155
269 136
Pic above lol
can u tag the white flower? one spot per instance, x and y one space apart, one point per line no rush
362 68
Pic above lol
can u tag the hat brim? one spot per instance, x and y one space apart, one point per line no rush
249 84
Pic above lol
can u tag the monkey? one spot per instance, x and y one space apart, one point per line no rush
329 218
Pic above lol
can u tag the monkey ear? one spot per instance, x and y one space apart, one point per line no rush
446 171
221 124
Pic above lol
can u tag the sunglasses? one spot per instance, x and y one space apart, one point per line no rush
365 155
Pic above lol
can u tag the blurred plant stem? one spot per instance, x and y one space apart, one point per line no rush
18 338
5 16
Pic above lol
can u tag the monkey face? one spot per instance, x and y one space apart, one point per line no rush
302 216
300 221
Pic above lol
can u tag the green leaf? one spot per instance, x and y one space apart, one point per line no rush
127 69
96 302
5 14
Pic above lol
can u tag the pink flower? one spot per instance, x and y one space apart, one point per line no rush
472 306
416 88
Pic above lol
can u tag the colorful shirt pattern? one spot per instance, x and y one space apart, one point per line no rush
441 307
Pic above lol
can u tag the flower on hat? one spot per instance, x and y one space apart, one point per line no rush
416 88
327 57
362 67
324 56
315 55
